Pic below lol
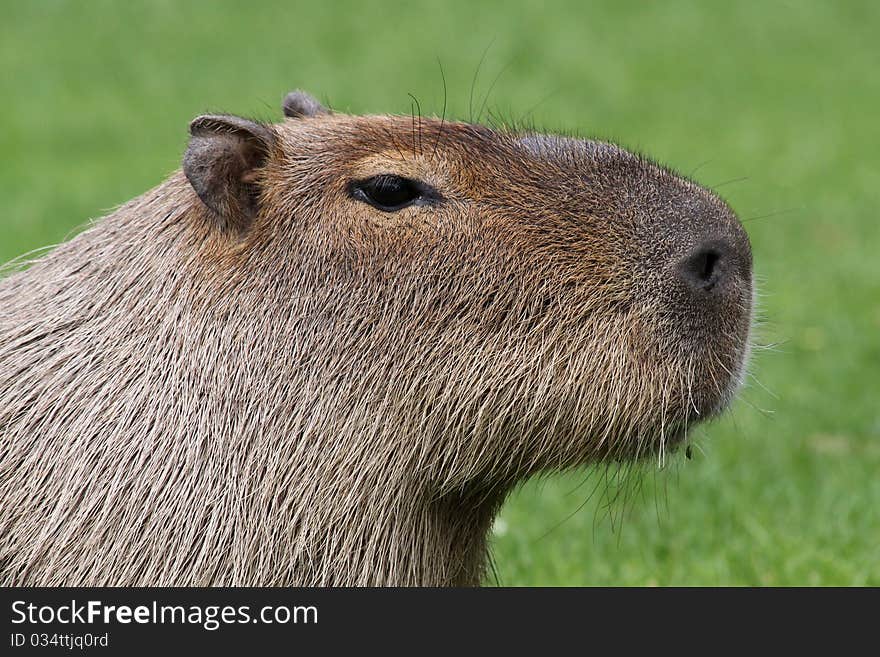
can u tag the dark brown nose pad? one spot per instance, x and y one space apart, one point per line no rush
706 267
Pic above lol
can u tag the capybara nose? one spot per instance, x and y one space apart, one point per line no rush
709 267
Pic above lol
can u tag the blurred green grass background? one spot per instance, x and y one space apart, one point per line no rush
774 103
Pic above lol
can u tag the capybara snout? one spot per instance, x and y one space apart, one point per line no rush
667 255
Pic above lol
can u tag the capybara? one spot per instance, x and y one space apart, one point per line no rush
325 350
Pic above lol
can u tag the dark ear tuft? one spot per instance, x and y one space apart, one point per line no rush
298 103
223 155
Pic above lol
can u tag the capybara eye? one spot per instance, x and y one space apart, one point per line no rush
390 193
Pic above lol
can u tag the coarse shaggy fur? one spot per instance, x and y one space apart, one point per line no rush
321 393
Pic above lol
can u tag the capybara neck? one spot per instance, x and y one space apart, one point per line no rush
198 443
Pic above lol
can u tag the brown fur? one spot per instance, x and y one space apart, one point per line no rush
320 393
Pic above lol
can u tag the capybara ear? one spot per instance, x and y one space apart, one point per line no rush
222 161
298 103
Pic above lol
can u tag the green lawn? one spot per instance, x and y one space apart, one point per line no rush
775 103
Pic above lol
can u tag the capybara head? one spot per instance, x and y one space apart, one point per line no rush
535 301
354 335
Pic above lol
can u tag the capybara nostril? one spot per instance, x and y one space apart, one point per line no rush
706 267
